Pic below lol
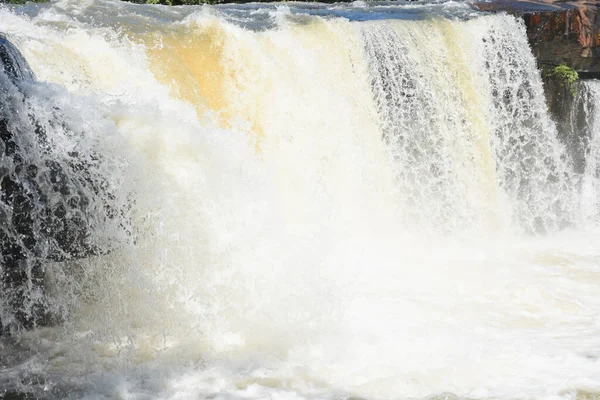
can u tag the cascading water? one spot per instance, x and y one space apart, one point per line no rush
583 137
301 201
57 203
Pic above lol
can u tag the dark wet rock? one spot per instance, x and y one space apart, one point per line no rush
45 212
567 37
13 63
13 395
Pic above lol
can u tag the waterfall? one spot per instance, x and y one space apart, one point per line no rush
291 201
465 119
583 137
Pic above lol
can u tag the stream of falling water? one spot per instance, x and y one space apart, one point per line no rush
360 200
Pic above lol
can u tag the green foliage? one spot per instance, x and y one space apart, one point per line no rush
561 73
192 2
177 2
23 1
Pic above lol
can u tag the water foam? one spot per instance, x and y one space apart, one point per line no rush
322 209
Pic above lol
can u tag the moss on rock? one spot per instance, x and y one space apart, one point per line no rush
561 73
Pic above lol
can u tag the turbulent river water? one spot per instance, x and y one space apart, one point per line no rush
360 200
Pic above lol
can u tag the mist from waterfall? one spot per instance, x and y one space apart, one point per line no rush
359 200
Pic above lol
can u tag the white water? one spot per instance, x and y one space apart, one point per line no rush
322 208
585 119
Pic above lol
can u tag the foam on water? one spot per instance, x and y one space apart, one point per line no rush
321 208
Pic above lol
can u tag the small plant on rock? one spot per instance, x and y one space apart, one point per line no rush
561 73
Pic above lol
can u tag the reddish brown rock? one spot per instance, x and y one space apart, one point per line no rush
560 32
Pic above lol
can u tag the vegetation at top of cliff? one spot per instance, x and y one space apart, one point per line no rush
166 2
22 1
196 2
177 2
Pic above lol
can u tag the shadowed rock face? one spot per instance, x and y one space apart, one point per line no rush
560 32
